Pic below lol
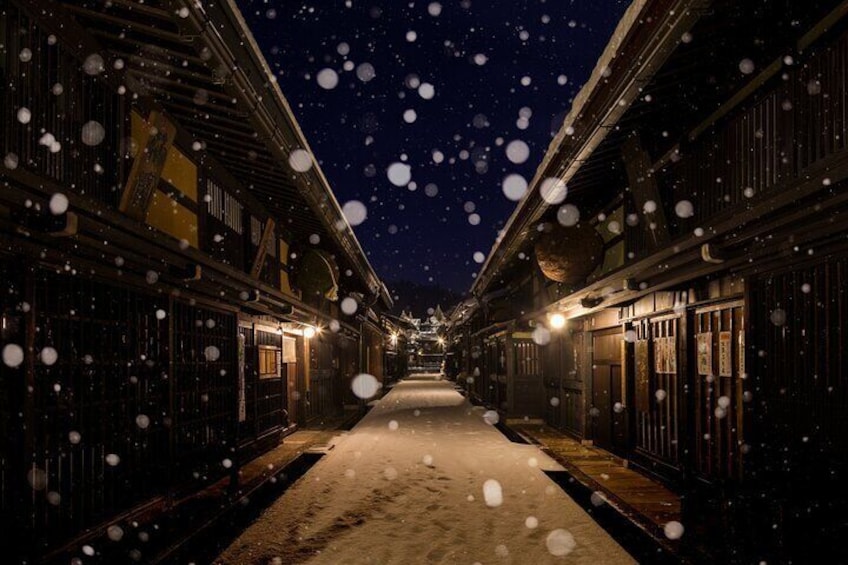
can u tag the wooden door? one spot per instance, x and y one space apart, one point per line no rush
323 397
574 400
717 348
289 372
526 388
292 394
609 427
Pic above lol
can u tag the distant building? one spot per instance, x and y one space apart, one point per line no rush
426 344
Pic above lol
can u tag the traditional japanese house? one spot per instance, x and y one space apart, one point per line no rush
395 362
672 286
173 262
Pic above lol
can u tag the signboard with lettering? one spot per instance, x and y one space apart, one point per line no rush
671 349
705 353
659 355
147 167
242 401
643 395
289 350
725 361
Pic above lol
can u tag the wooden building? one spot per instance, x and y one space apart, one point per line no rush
672 287
173 263
396 362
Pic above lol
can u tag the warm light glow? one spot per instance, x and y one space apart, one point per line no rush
441 341
394 338
557 321
308 332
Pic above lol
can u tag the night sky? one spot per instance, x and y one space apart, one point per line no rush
501 72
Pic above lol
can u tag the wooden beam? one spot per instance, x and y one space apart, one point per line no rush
643 188
770 71
259 260
170 84
743 94
823 26
104 223
132 43
130 25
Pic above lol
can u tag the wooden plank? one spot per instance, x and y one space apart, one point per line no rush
652 502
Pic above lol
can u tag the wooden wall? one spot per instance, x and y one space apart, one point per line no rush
139 399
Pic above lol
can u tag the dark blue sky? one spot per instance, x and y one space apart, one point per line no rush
489 62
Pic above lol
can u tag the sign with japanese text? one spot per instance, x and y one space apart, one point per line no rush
725 361
705 353
147 167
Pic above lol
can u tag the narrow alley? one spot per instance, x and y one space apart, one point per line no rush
425 478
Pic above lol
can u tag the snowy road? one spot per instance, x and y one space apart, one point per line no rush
406 485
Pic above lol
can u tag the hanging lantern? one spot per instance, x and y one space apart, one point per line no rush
569 254
317 273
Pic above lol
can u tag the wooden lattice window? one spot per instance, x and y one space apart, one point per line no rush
269 366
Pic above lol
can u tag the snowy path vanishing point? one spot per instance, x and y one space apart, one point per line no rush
406 485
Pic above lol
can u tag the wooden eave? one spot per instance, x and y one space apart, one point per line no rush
643 40
202 65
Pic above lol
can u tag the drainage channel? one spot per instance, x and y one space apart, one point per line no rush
634 539
210 539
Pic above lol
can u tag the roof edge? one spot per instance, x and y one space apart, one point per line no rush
313 185
649 50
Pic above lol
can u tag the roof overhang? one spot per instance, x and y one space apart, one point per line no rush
200 62
643 40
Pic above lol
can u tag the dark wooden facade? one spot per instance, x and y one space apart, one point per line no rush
147 264
706 348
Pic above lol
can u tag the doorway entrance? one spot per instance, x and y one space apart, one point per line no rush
607 416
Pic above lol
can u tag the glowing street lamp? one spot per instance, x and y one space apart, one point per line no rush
309 332
557 321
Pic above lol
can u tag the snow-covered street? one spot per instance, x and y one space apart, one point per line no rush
423 478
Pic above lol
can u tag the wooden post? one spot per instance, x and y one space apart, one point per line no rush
27 455
643 187
509 344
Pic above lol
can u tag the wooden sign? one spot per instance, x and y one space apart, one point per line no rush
671 350
741 350
147 167
289 350
643 395
259 260
242 401
658 355
705 353
725 362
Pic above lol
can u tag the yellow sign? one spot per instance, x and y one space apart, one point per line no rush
147 167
